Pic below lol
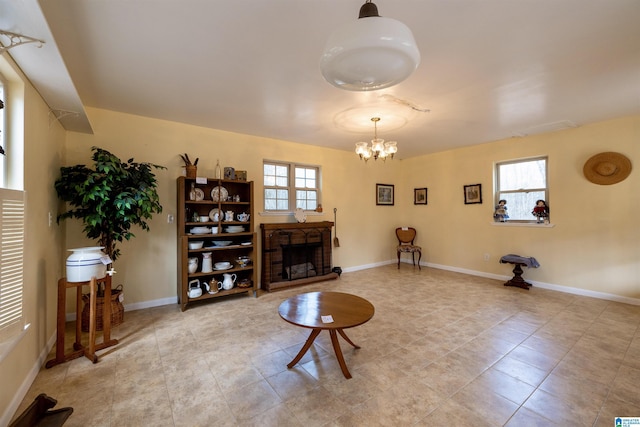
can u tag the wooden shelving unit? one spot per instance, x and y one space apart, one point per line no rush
242 243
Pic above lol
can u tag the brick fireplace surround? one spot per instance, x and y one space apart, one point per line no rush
296 254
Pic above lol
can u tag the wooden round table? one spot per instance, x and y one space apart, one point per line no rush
333 311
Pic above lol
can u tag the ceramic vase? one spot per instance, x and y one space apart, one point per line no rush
85 263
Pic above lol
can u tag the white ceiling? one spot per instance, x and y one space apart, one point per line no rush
490 69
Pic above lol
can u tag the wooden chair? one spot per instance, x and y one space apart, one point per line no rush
406 236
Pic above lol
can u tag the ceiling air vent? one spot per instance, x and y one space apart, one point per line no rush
546 128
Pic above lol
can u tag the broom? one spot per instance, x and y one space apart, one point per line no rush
336 242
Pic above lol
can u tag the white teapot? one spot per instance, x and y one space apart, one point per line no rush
243 217
229 281
195 290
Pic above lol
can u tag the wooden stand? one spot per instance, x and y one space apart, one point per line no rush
517 279
90 350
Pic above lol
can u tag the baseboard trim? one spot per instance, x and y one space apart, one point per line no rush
27 382
543 285
70 317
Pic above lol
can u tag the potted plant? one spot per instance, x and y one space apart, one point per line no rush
109 198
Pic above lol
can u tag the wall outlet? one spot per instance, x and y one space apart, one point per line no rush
486 257
50 219
170 219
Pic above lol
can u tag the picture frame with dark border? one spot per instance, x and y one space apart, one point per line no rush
472 194
384 194
420 196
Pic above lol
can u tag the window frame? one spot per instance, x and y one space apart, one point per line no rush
4 115
499 194
292 200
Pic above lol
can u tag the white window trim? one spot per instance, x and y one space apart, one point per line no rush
292 188
496 193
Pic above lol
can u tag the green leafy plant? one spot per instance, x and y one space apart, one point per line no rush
110 198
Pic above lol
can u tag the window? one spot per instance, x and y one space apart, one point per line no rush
521 183
12 209
11 262
288 186
3 162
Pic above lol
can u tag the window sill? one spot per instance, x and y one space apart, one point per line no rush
522 224
289 213
11 343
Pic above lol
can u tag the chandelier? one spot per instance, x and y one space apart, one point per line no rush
371 53
378 148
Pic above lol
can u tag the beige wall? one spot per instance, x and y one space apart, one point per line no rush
592 246
43 147
348 185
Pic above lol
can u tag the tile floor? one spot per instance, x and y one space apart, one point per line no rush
442 349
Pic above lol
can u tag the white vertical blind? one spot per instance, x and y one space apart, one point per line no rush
11 261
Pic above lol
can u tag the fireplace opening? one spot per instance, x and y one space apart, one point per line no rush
300 260
296 254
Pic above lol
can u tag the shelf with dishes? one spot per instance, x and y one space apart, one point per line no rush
212 274
216 240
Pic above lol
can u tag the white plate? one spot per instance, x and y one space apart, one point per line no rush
199 194
300 216
220 269
245 243
219 194
201 230
234 230
213 212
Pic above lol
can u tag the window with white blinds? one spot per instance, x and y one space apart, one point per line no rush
12 229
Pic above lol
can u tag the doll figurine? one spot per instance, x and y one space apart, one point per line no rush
500 214
541 211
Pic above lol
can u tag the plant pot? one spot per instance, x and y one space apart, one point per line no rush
192 171
117 310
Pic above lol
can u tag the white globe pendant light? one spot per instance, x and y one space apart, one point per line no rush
371 53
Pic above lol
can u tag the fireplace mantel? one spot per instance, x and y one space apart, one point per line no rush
296 254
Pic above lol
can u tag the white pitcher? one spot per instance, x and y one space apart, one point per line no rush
207 263
229 281
193 265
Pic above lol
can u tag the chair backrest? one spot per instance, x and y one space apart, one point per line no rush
406 235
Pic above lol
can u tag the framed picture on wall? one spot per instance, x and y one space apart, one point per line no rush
419 196
472 194
384 194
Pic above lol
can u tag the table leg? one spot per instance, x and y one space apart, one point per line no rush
338 351
312 336
106 318
346 338
90 350
517 279
61 322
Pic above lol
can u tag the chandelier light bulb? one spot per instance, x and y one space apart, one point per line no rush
378 148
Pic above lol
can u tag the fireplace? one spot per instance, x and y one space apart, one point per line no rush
296 254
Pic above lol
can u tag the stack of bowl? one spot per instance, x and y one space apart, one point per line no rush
223 265
196 245
200 230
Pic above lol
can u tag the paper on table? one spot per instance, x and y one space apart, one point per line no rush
201 179
327 319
